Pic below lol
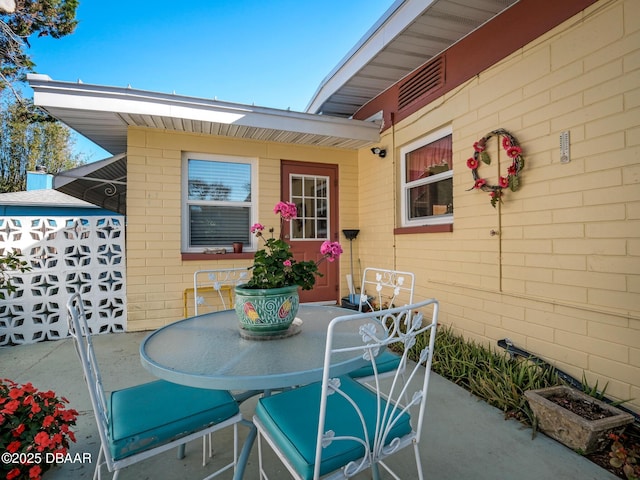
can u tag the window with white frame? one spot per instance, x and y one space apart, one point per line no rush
217 201
427 180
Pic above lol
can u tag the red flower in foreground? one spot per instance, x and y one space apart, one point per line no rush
18 430
48 421
42 441
16 393
13 447
10 407
506 143
472 163
503 182
34 421
15 473
35 472
68 415
512 169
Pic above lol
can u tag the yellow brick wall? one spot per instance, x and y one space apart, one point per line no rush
562 280
156 274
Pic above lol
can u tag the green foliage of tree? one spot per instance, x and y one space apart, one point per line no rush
28 136
10 263
54 18
28 140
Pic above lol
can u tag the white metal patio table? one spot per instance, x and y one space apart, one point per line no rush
208 351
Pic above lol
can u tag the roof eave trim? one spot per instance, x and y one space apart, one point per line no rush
79 96
392 23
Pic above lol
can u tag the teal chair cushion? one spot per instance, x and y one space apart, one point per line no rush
385 362
154 413
291 418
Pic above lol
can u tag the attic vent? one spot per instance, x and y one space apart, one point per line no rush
424 81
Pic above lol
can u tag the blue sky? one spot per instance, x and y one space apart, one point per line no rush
272 53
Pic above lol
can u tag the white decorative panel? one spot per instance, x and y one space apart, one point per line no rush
71 254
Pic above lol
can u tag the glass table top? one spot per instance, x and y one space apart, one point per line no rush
208 351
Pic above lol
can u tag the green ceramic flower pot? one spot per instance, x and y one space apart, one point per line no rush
266 310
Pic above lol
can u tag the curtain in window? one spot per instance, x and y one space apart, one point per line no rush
429 160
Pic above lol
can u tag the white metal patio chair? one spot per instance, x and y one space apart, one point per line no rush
381 288
213 289
139 422
339 427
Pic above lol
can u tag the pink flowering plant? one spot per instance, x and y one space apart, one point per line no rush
274 265
34 429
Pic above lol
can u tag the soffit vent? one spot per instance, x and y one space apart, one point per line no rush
424 81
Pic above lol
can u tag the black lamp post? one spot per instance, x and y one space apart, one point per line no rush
351 234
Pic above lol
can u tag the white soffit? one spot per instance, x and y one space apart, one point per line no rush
409 34
103 113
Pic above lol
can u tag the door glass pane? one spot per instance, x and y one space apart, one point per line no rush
296 187
309 229
322 208
311 196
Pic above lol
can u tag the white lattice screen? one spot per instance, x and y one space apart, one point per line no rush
67 254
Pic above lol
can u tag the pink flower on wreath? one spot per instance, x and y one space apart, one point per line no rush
514 152
506 143
472 163
503 182
287 210
479 146
480 183
512 170
257 227
331 250
495 194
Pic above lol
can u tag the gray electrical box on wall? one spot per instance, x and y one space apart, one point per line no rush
564 147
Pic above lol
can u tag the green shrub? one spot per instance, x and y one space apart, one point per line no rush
493 376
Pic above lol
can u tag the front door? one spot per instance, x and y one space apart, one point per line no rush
312 187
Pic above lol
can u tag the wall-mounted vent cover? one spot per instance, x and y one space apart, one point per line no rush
423 82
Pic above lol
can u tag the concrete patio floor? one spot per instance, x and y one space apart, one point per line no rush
464 437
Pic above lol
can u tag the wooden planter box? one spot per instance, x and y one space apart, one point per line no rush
582 435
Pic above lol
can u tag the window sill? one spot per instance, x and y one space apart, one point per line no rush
447 227
216 256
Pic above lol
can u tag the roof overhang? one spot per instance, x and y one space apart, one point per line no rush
102 183
102 114
410 33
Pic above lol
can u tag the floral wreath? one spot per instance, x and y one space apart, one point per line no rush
511 180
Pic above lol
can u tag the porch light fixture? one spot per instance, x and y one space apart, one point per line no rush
381 152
